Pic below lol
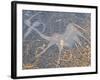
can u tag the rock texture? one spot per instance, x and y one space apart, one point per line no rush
56 39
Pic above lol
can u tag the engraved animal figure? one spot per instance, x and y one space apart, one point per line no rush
69 38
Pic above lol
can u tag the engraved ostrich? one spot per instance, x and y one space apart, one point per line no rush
70 36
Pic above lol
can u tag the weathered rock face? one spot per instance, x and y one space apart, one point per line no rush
55 39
